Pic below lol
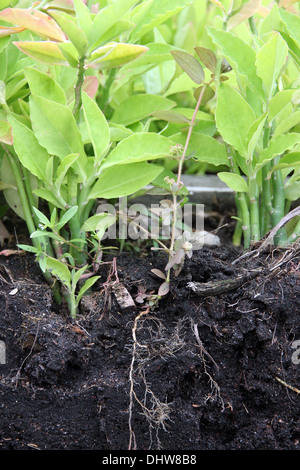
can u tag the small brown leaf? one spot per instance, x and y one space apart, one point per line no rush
164 288
158 273
190 65
207 57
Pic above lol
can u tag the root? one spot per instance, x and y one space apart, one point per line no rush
156 412
215 389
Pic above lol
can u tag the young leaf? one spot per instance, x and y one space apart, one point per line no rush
43 51
247 10
234 116
32 155
269 62
66 217
254 133
123 180
34 20
137 107
208 58
83 17
164 288
42 218
41 84
98 221
97 126
190 65
59 270
107 17
87 285
69 26
115 54
139 147
235 182
56 129
6 133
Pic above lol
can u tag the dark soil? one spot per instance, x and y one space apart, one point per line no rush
196 373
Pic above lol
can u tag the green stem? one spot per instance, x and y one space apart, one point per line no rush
254 206
37 242
78 87
252 26
74 223
246 224
278 204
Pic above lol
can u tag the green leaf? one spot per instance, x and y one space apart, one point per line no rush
233 116
115 54
43 51
155 13
59 270
31 249
139 147
41 84
292 23
278 102
42 218
70 52
87 285
107 17
83 17
66 217
11 193
97 126
95 222
48 195
240 55
123 180
269 62
236 182
63 167
288 123
190 65
277 146
55 128
69 26
32 155
254 135
138 107
34 20
205 148
290 160
171 116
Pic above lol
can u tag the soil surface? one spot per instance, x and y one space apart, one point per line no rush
213 372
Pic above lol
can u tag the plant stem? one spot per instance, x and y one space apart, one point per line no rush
245 219
37 242
74 222
278 204
179 172
254 206
78 87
